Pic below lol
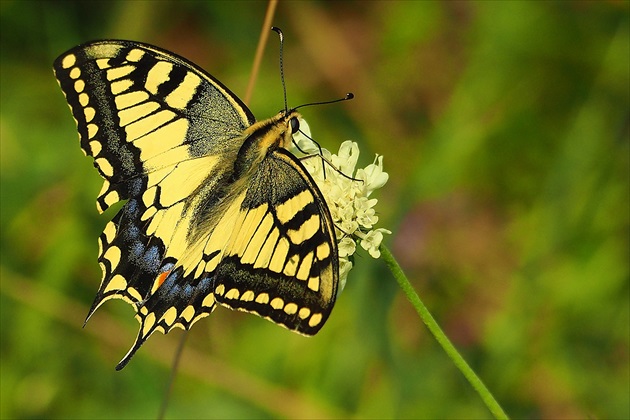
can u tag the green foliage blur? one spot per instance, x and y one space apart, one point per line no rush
505 131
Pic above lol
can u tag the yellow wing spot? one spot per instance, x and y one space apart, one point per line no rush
262 298
313 284
323 251
277 303
104 188
148 197
134 113
248 296
92 130
158 74
89 113
183 93
68 61
148 124
208 301
290 308
279 257
118 72
103 63
84 99
266 252
120 86
149 321
133 292
169 316
117 282
200 269
154 224
143 311
110 232
315 320
196 318
188 313
75 73
232 294
111 198
292 265
79 85
305 231
105 167
287 210
305 267
135 55
219 290
95 147
252 219
304 313
127 100
148 213
113 256
257 240
212 264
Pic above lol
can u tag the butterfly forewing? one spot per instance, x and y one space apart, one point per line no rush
140 109
198 224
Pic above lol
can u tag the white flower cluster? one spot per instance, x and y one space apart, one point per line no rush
347 194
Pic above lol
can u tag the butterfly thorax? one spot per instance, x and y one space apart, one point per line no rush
261 139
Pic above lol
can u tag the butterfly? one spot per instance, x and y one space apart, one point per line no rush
217 210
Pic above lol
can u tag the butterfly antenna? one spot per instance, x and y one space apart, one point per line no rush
297 146
332 165
348 96
284 87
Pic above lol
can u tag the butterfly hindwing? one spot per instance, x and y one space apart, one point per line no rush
281 261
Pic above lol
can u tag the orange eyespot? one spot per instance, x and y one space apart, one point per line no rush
161 278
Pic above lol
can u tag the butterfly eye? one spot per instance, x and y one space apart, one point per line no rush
295 125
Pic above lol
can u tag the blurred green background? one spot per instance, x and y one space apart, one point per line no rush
505 130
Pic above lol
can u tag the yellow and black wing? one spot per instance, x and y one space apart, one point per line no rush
173 141
281 261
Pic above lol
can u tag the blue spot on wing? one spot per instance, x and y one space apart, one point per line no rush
135 187
152 256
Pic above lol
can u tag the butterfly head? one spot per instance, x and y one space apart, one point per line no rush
279 130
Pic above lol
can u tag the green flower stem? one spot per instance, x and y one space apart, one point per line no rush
439 335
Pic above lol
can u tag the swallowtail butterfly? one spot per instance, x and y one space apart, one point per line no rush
217 209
